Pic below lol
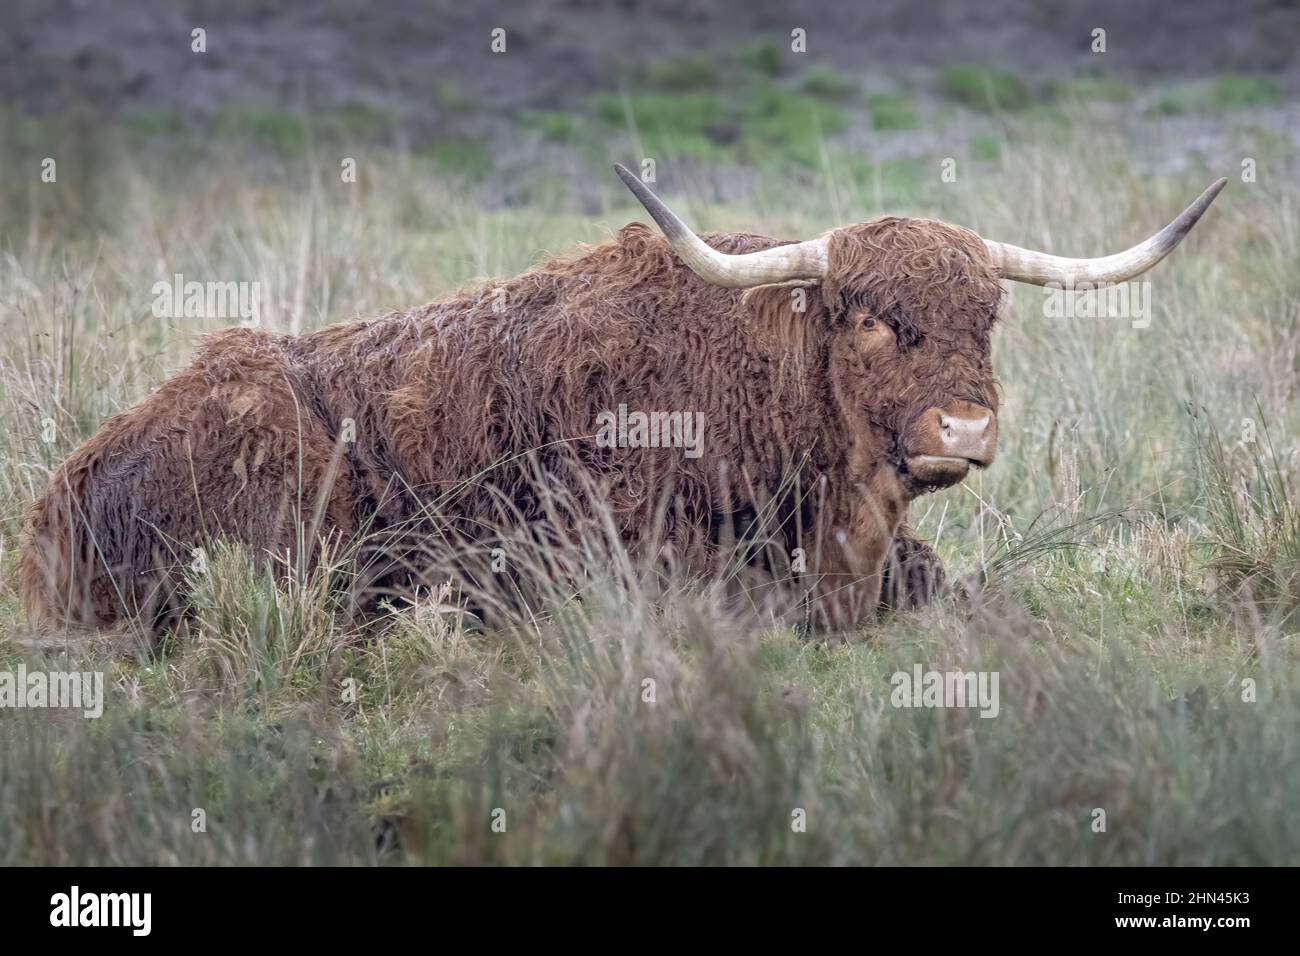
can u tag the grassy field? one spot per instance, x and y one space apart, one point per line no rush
1130 566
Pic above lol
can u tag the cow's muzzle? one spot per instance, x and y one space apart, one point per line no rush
942 444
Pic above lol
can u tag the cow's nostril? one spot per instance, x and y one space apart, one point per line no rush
968 426
964 432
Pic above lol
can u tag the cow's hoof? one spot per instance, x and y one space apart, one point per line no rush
912 577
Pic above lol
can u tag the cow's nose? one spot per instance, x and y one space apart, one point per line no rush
943 443
970 432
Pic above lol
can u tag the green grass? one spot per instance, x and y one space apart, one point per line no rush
1236 91
555 125
780 126
827 83
685 73
1092 89
290 133
985 147
1225 93
691 113
451 99
984 88
892 111
156 123
668 124
891 184
770 126
460 156
1128 561
761 56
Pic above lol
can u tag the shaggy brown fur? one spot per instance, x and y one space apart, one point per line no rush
460 408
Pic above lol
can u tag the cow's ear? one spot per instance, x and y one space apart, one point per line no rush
784 314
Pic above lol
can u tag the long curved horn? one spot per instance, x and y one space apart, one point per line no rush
801 260
1039 268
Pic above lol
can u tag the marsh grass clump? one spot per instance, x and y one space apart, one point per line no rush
251 629
1252 523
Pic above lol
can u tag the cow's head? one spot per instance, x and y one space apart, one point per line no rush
912 304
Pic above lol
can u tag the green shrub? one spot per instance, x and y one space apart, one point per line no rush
554 125
1238 91
984 88
891 111
781 126
1231 91
685 73
827 83
686 124
273 129
682 112
762 56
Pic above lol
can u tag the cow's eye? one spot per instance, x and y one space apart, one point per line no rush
873 334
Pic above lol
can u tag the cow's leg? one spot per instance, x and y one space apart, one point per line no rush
849 550
912 575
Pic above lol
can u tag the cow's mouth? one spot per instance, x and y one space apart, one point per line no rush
936 471
939 446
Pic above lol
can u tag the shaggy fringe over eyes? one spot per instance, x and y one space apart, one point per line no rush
902 268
